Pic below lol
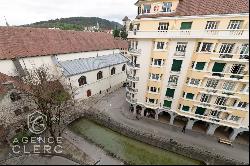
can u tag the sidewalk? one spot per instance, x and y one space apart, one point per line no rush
117 107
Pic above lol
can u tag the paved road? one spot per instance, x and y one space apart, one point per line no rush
116 105
91 150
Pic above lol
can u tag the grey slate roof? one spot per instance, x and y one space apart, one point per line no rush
80 66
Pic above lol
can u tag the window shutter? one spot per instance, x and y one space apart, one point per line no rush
170 92
200 111
177 65
185 108
186 25
190 96
167 104
200 65
218 67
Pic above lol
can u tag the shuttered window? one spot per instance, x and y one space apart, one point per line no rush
200 65
218 67
190 96
176 65
186 25
186 108
170 92
200 111
167 104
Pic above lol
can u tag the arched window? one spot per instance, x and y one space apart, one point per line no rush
99 75
123 67
82 80
113 71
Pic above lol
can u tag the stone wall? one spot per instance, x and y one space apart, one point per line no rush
205 156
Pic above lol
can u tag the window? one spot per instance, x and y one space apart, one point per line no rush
123 67
167 104
113 71
237 69
147 8
173 80
190 96
244 53
242 105
167 7
221 101
153 89
99 75
163 26
82 80
215 114
158 62
235 118
181 47
200 111
205 98
244 88
218 67
212 25
195 82
200 65
152 101
235 24
160 45
185 108
206 47
211 83
176 65
186 25
229 86
226 48
170 93
155 77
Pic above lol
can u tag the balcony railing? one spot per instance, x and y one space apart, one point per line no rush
134 51
131 100
130 89
179 53
210 34
132 78
131 64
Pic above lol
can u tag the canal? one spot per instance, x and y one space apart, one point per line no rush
131 151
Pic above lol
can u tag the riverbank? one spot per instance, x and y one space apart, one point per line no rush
208 157
130 151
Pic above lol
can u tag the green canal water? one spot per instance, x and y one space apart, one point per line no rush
129 150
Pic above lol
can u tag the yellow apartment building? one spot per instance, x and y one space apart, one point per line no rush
190 64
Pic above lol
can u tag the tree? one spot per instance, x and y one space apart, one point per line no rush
50 97
123 33
116 33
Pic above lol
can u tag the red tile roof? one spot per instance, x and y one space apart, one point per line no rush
205 7
27 42
5 78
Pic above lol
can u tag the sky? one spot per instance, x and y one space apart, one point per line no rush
20 12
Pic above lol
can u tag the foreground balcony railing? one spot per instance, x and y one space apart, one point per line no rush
210 34
132 78
134 51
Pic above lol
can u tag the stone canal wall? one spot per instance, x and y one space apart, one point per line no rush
208 157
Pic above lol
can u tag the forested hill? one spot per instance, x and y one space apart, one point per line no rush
76 23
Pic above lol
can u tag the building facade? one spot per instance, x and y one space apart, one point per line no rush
190 60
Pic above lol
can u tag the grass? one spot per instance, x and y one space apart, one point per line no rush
127 149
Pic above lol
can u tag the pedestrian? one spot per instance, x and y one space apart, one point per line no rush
184 129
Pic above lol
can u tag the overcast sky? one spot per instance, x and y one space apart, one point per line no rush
20 12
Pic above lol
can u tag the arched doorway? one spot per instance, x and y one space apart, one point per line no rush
223 132
200 126
149 113
243 138
164 117
88 93
180 121
138 109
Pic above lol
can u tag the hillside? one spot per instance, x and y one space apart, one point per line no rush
76 23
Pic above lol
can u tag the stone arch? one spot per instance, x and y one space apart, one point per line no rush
200 126
150 113
164 116
180 121
223 132
243 138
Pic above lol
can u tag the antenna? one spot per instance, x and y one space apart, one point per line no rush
6 22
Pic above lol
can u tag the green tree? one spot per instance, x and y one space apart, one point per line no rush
116 33
123 33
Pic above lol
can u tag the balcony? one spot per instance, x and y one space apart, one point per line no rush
132 78
134 66
131 89
180 54
195 34
131 100
230 57
134 51
151 105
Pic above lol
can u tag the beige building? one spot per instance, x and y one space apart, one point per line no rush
190 64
